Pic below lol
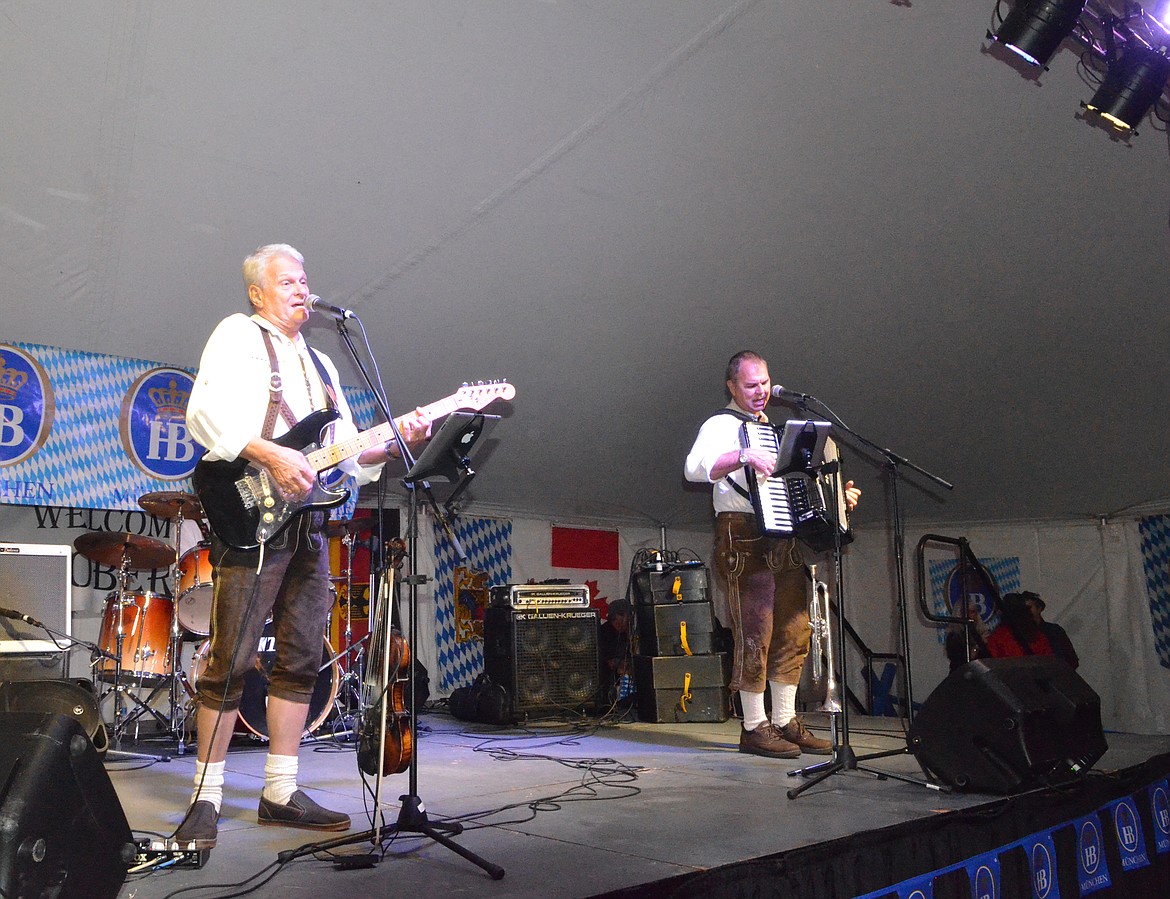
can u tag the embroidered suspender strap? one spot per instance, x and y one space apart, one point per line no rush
742 491
276 403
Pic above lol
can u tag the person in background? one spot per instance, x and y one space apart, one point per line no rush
968 641
1057 637
613 650
1018 634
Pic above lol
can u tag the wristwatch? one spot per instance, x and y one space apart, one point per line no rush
743 457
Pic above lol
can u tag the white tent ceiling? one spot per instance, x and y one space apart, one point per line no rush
601 201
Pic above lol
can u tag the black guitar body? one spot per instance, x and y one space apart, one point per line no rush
242 503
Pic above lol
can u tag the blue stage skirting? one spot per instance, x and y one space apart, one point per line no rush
1103 835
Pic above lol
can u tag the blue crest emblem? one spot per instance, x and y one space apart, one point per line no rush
153 424
27 405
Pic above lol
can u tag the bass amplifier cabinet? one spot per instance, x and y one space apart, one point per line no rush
1005 725
680 582
546 660
35 580
682 688
63 833
673 630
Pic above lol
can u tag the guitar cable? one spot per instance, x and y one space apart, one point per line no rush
226 687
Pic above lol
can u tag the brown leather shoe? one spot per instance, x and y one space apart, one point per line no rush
200 826
766 740
301 811
795 732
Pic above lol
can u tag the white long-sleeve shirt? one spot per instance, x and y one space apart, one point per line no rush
229 401
719 434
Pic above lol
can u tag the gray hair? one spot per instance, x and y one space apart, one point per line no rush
257 262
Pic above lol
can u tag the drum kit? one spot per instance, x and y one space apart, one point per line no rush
142 633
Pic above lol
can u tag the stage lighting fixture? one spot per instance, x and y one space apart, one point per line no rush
1133 83
1035 28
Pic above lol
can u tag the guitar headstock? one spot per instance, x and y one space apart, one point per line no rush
482 393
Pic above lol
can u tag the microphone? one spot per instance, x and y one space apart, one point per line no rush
783 393
20 616
316 304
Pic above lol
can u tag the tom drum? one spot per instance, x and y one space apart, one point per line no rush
146 637
195 590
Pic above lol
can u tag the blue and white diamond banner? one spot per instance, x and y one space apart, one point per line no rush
487 543
1155 532
92 431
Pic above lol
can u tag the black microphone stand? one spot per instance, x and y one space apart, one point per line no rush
844 758
412 815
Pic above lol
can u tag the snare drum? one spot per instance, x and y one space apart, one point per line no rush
254 702
195 590
146 637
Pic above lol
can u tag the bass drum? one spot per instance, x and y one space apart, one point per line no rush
254 702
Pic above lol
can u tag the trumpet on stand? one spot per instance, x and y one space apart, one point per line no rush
822 648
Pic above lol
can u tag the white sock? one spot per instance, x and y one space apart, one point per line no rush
783 702
208 783
280 778
753 709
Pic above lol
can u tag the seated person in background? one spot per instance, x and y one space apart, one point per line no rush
1018 633
967 642
613 649
1057 638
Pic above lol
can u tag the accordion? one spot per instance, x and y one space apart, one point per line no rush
793 504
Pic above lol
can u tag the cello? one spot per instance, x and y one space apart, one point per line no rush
386 737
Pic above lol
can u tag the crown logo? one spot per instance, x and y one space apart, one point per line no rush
11 380
170 401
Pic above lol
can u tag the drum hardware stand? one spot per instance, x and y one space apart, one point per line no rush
348 704
446 456
844 758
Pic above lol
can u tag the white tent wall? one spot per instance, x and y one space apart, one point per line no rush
1090 575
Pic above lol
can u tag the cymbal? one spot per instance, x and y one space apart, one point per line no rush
341 526
169 503
109 547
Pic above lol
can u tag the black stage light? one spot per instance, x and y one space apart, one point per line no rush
1133 83
1035 28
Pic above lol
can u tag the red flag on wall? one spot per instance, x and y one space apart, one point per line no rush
588 556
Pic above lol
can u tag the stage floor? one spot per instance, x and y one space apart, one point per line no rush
565 809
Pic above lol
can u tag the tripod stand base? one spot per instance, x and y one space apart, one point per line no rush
412 818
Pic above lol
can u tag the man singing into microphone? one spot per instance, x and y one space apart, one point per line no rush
764 576
257 378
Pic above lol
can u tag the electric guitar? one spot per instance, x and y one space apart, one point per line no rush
242 502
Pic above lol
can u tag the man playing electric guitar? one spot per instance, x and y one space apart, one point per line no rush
257 379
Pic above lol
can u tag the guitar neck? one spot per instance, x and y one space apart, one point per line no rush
336 453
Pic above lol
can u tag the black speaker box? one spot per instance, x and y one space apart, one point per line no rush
682 688
681 582
1006 725
63 834
661 629
547 661
72 698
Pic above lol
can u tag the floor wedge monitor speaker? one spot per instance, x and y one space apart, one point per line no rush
1007 725
63 834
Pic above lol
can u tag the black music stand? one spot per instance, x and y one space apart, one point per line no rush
446 457
844 758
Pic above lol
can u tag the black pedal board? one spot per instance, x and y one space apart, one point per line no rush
154 854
